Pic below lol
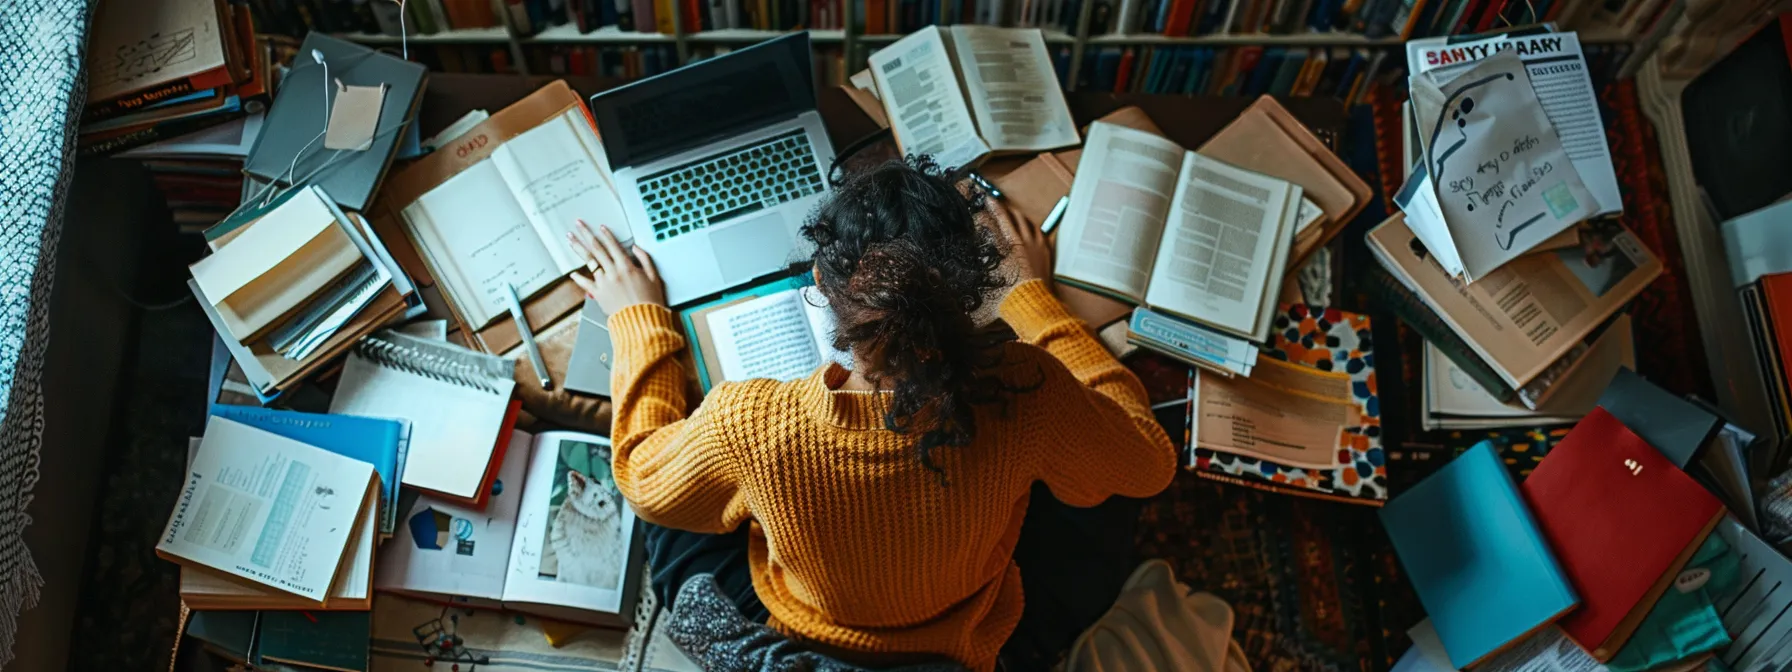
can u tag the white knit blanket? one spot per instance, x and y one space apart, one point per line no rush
42 88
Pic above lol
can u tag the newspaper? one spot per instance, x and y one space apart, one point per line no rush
1503 181
1563 85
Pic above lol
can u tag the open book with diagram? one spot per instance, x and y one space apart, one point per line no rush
555 539
961 93
1153 224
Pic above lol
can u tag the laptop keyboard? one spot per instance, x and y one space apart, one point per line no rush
779 170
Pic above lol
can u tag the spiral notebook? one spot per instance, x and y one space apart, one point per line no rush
455 399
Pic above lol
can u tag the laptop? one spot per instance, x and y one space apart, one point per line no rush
718 164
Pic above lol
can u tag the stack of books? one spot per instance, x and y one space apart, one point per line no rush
1558 569
201 174
165 68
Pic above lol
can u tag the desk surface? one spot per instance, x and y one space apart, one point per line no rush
1189 120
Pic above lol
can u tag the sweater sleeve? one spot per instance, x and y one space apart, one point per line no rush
675 471
1102 439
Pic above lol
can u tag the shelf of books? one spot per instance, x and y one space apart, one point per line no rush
596 36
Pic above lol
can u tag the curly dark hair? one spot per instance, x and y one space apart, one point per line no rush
905 264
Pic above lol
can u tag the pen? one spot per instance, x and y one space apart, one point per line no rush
522 329
1051 220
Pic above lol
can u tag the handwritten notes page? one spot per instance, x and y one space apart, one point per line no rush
1118 203
927 109
768 337
504 219
1503 180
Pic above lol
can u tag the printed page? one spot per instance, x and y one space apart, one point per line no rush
1563 85
1225 244
447 548
575 534
1246 417
267 508
927 110
1504 181
137 45
478 238
557 172
821 324
767 337
1013 90
1118 205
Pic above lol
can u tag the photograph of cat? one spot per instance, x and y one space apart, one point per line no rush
585 542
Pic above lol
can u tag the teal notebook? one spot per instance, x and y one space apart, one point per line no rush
329 640
1476 557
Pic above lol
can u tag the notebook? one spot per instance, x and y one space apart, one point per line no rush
267 509
372 440
455 399
1476 557
1622 520
589 370
295 121
1676 427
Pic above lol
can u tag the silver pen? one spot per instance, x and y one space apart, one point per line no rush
522 330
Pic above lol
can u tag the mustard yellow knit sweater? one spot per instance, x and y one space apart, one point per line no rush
854 544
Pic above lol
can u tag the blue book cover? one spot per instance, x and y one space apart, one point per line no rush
372 440
1266 70
1178 75
1107 69
1476 557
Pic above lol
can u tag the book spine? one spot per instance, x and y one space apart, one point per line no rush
645 21
1283 490
625 14
140 137
1412 310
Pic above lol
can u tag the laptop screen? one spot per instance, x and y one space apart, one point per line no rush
705 101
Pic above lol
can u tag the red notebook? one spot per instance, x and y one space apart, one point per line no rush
1623 521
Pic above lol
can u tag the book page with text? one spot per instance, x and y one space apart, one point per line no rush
1013 90
767 337
821 323
1118 204
478 238
1225 242
927 110
556 171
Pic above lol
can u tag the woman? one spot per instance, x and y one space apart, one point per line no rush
875 513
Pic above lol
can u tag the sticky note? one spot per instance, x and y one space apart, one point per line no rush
355 117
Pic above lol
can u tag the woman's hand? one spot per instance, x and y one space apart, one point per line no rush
1029 254
617 279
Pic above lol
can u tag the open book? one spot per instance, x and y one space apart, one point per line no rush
556 539
263 508
782 331
504 220
963 92
1151 223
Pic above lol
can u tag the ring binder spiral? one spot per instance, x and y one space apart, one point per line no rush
455 399
435 360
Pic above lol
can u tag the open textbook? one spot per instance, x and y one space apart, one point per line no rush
1151 223
963 92
504 220
267 509
782 330
556 538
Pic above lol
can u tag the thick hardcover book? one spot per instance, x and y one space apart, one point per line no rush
1476 557
1623 521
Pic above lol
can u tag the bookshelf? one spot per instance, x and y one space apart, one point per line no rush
854 44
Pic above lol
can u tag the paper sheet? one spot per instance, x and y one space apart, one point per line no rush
557 172
141 44
1012 88
1503 180
1759 616
767 337
919 86
354 117
1558 72
1124 184
485 240
1247 417
1220 251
